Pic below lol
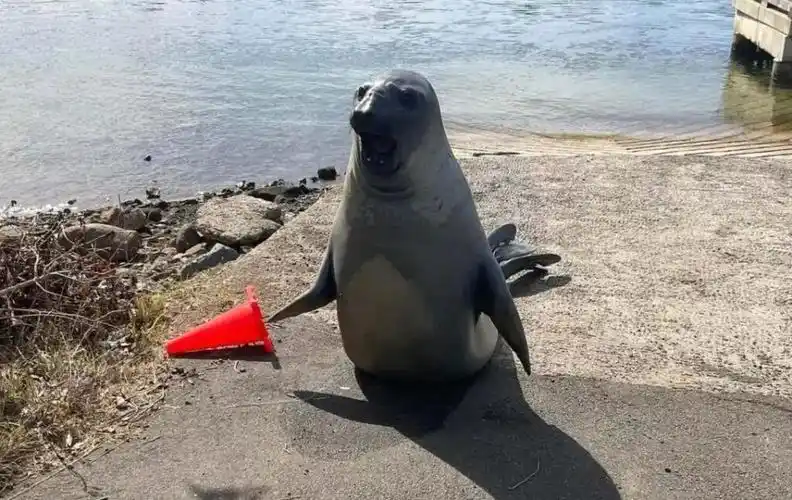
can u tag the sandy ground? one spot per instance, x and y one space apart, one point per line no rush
468 140
681 267
662 367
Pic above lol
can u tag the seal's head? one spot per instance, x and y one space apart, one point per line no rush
398 130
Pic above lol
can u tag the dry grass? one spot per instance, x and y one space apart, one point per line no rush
77 349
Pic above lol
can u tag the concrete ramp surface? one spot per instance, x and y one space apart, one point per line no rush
313 430
662 368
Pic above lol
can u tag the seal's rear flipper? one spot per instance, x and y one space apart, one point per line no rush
518 250
515 257
319 295
527 262
521 284
493 298
502 235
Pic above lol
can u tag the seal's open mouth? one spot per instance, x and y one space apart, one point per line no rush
378 153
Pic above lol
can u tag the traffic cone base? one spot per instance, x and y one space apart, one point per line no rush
240 326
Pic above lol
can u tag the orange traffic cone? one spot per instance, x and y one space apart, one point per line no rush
242 325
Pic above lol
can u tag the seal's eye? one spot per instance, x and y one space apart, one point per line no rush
408 98
362 91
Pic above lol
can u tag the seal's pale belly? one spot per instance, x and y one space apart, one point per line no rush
394 325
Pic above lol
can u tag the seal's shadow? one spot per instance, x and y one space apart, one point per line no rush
534 284
483 428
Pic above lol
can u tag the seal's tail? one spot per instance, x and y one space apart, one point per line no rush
516 257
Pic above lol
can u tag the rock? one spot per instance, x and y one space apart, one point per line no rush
194 250
131 203
314 179
110 242
89 212
239 220
187 237
147 158
219 254
327 173
130 218
161 204
153 214
9 234
297 191
271 193
152 192
168 251
268 193
303 181
95 217
246 185
183 202
227 192
159 264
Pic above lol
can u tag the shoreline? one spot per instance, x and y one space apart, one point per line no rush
724 132
11 208
168 245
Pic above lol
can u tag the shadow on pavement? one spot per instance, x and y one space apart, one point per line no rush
228 493
245 353
531 283
483 428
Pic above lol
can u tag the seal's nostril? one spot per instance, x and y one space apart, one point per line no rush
362 91
357 120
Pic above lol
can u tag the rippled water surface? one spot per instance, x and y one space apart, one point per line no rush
219 90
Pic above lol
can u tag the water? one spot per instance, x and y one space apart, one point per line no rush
219 91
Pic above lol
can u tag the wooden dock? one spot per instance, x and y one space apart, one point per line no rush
762 30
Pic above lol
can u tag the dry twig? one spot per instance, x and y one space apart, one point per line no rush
533 474
54 473
61 312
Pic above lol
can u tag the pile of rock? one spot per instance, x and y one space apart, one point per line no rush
158 240
224 228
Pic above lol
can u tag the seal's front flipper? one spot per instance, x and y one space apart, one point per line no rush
319 295
493 298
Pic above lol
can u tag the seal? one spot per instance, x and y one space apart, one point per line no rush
421 290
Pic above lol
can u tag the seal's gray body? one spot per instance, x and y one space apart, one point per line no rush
420 293
406 273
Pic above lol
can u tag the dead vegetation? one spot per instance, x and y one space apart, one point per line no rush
78 355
